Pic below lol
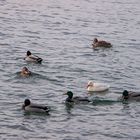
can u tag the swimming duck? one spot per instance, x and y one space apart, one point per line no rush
32 58
76 99
98 87
25 72
101 43
30 107
126 95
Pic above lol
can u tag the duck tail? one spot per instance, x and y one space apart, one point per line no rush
39 60
46 109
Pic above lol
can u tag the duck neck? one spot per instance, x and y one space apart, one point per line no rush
69 99
126 97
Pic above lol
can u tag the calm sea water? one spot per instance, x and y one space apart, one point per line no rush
61 32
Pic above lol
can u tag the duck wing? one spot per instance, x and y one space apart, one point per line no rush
39 60
104 43
135 94
98 87
40 107
33 58
36 58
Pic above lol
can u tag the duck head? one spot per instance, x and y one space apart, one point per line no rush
27 102
28 53
125 94
25 71
69 93
95 40
90 84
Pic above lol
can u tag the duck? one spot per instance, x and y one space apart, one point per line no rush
31 107
25 72
97 87
76 99
32 58
101 43
129 95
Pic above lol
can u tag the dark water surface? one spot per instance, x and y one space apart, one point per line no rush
61 32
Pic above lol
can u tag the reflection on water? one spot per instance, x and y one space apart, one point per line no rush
69 107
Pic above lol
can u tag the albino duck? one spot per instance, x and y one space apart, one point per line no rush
32 58
25 72
130 96
98 87
101 43
76 99
30 107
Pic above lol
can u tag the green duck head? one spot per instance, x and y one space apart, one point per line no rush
69 93
125 94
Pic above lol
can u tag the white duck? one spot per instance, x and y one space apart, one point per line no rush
30 107
98 87
32 58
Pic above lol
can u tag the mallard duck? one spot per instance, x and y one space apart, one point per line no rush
101 43
30 107
32 58
98 87
76 99
127 95
25 72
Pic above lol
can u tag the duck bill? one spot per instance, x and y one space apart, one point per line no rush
64 93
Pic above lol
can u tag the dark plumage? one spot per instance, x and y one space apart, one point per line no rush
130 95
101 43
77 99
25 72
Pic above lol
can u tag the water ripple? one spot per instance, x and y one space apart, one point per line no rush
62 33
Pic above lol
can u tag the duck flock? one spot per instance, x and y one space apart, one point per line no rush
92 87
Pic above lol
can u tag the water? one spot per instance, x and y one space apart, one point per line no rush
61 32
